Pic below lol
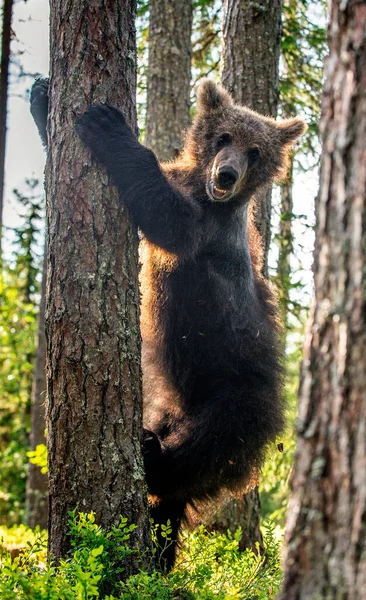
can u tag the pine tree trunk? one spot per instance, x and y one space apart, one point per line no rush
252 44
252 41
37 482
169 76
326 526
92 310
4 80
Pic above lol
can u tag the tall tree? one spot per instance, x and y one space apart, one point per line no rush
37 482
326 526
93 373
169 76
4 78
251 53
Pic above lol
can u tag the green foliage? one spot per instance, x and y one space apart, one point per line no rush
206 39
165 532
301 81
110 548
20 536
92 570
304 46
142 36
27 261
38 457
19 287
206 42
274 483
210 566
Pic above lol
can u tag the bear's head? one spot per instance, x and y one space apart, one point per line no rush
237 150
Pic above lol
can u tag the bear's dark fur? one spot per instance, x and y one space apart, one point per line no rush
211 349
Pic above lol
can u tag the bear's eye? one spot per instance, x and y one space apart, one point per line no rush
223 140
253 155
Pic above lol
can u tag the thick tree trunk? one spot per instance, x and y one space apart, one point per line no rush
326 526
92 310
4 79
251 51
37 482
169 76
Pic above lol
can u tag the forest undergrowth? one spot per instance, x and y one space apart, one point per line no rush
209 566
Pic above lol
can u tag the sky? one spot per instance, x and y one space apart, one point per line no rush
25 156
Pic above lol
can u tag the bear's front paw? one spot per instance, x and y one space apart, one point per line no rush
102 128
39 105
39 92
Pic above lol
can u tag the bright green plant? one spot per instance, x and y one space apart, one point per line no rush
18 326
210 567
110 548
38 457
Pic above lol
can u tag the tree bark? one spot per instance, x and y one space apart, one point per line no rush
37 482
251 53
326 526
4 81
169 76
94 414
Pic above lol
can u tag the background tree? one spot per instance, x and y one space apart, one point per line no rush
206 39
251 51
4 77
19 289
94 378
168 76
326 536
251 54
303 49
37 481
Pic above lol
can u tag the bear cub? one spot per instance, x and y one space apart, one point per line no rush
211 351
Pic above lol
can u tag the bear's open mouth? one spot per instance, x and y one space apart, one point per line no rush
217 193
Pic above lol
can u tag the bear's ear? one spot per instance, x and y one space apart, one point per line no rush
211 96
291 129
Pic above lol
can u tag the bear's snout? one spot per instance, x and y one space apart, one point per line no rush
227 177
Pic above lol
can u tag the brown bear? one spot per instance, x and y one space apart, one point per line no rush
211 349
